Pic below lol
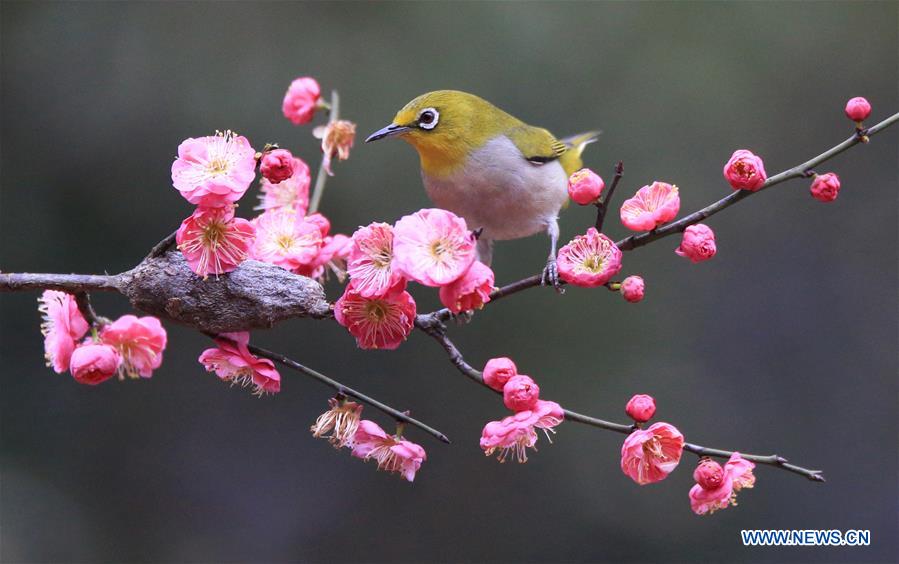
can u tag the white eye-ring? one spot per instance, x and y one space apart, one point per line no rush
428 118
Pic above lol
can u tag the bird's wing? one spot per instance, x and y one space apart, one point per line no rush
536 144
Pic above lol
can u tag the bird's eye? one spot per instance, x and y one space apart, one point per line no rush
428 118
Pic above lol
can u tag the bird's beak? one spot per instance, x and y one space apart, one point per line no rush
389 131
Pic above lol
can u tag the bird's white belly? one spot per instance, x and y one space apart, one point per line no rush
500 191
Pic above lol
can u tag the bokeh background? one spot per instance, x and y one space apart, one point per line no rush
786 341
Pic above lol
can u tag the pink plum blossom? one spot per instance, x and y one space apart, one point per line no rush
333 255
140 342
825 187
323 223
214 171
93 364
650 207
292 193
337 140
213 241
858 109
585 186
745 171
284 240
521 393
392 453
716 488
740 470
276 165
233 362
301 100
589 260
62 326
651 454
497 372
339 423
433 247
377 323
698 243
641 408
632 289
470 291
370 263
516 433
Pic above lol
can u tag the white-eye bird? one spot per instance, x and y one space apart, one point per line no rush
503 176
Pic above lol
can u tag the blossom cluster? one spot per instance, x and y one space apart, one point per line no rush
432 247
130 346
344 427
517 433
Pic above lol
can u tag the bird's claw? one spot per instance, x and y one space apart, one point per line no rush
551 275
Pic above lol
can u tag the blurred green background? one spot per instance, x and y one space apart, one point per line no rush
785 342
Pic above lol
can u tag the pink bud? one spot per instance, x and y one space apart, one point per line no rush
632 289
277 165
641 408
585 186
521 393
709 474
825 187
858 109
323 223
301 100
745 171
93 364
498 371
698 243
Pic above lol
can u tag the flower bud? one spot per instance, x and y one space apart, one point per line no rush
641 408
709 474
521 393
276 166
93 364
825 187
301 100
745 171
497 372
858 109
322 222
698 243
632 289
585 186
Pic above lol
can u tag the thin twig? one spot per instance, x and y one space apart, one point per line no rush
161 247
603 205
83 300
431 325
71 283
322 177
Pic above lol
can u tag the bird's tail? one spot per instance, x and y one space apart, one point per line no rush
571 159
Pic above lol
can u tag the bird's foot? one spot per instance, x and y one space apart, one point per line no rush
551 276
462 317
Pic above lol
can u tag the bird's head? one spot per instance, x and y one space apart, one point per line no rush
445 126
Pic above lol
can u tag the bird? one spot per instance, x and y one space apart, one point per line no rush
506 178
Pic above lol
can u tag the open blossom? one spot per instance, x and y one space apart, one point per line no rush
745 171
470 291
338 424
498 371
333 256
233 362
276 165
377 323
433 246
214 171
521 393
632 288
589 260
292 193
370 264
337 140
858 109
284 240
140 342
392 453
825 187
301 100
213 241
698 243
585 186
650 207
641 408
62 326
716 487
516 433
92 363
649 455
